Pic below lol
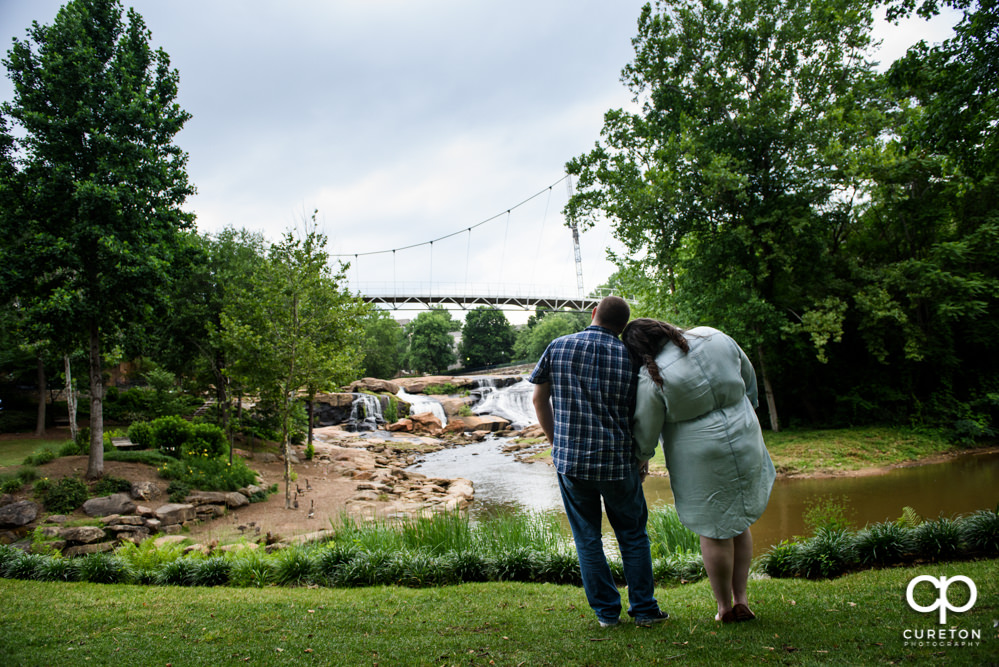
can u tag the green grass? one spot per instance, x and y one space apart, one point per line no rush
854 620
811 451
13 452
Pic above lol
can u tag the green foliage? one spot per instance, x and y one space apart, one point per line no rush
213 571
384 346
109 484
251 569
830 553
533 339
170 433
102 568
885 543
781 560
487 338
63 496
41 457
667 535
827 512
431 347
179 572
206 441
980 532
442 389
937 540
293 566
391 411
141 434
207 474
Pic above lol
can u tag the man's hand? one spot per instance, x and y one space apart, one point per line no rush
643 472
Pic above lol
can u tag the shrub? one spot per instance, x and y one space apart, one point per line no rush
177 491
141 434
179 572
517 564
23 566
781 560
667 535
206 441
209 474
468 565
64 496
40 457
212 571
71 448
980 532
330 559
110 484
883 544
170 433
828 554
11 485
57 568
937 540
105 569
293 567
251 569
560 567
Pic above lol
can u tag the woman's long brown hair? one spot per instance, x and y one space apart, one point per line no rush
645 337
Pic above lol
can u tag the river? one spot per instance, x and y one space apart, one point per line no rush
957 486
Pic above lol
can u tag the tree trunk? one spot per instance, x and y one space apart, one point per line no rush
222 399
311 407
70 398
40 422
769 391
95 464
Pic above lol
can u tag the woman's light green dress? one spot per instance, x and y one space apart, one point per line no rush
719 468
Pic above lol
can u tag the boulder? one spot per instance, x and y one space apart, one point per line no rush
174 513
82 534
485 423
84 549
374 385
426 422
18 514
206 498
404 425
234 499
145 490
116 503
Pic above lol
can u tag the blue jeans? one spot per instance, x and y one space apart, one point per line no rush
627 512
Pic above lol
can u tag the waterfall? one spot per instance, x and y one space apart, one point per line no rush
419 404
512 403
366 412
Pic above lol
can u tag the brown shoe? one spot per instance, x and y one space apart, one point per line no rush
729 617
742 613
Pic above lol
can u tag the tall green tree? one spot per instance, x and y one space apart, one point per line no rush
533 339
384 347
104 182
732 184
293 328
486 338
431 345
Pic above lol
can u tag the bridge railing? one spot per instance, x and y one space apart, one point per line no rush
421 295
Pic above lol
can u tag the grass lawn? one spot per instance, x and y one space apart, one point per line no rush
860 619
14 451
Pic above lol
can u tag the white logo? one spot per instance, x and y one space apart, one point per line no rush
941 584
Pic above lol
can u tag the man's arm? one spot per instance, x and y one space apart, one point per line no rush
543 408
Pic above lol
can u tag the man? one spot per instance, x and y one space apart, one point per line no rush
583 395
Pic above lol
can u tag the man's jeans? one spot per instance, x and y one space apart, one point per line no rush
628 514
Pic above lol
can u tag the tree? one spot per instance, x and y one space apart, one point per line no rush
486 339
732 187
431 346
103 180
383 345
532 340
292 327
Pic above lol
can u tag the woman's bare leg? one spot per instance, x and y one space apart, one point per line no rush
743 558
719 561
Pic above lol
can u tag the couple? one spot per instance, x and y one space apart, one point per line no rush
604 417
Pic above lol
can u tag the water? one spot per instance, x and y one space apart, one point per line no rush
512 403
954 487
419 404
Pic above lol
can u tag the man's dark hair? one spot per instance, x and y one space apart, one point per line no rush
613 313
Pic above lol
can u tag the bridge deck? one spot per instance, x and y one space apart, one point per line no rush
418 302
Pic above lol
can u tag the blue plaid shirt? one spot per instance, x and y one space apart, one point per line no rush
593 393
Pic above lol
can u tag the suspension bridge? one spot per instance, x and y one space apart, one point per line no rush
524 227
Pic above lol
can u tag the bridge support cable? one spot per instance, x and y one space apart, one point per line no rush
468 252
575 242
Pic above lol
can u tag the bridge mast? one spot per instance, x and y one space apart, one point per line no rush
575 243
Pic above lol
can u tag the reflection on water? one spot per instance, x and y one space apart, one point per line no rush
959 486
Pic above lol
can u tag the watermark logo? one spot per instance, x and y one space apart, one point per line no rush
942 584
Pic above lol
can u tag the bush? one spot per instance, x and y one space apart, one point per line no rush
782 560
179 572
71 448
980 532
206 441
62 497
883 544
293 567
828 554
170 433
110 484
209 474
23 566
177 491
40 457
105 569
517 564
141 434
57 568
212 571
937 540
251 568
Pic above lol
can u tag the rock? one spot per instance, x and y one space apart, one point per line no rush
82 534
6 499
251 490
426 422
374 385
405 425
485 423
235 499
116 503
453 407
175 513
84 549
269 457
168 540
58 518
206 498
18 514
145 490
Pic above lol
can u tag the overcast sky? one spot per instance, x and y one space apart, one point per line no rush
401 121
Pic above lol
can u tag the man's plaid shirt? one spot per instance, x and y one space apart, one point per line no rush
593 391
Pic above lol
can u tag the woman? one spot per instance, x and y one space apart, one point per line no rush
697 390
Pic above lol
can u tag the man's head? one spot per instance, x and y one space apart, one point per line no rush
612 313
